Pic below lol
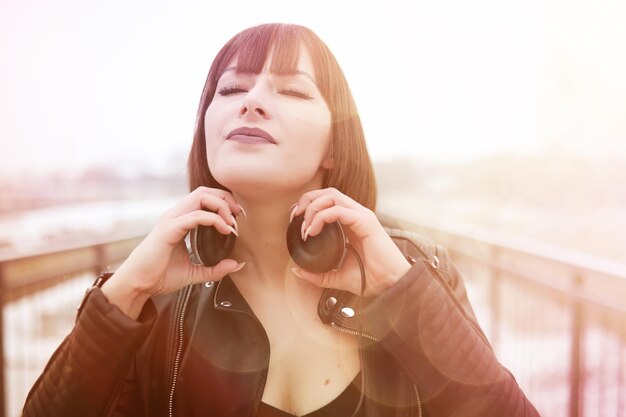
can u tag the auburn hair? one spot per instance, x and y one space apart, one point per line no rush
352 172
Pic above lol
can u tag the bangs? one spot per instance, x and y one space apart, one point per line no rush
253 47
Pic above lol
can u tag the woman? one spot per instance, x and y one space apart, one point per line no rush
255 334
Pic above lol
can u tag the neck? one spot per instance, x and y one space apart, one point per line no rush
262 242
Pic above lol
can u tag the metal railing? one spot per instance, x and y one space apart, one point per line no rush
556 319
23 278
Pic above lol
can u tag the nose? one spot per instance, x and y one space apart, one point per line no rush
254 105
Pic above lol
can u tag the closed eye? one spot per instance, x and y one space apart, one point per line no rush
296 93
230 90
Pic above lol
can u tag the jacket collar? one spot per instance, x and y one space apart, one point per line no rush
333 306
228 298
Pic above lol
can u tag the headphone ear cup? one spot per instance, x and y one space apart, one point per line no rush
210 246
320 253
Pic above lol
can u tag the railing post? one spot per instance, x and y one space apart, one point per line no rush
3 404
494 297
577 357
100 260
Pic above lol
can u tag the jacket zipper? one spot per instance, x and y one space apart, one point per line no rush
419 401
369 336
353 332
179 350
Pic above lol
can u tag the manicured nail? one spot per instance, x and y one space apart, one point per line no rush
235 222
239 266
292 206
293 212
296 272
302 229
306 233
242 210
232 229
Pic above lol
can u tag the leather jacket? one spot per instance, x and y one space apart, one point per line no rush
202 352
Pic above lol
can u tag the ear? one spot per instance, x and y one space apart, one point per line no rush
328 161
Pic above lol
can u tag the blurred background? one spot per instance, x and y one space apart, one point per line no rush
497 129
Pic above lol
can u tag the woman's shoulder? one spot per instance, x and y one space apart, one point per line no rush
407 238
398 235
413 243
417 245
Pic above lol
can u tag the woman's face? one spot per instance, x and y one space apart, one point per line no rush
267 130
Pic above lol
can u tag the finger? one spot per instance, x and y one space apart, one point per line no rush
210 203
304 201
206 218
214 199
200 273
227 196
233 204
355 220
219 206
319 199
317 205
183 224
328 200
207 198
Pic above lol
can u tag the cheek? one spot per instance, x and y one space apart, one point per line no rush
315 140
211 121
212 131
314 132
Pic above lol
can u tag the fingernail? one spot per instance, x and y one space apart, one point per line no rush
292 206
232 229
293 212
242 210
296 272
239 266
302 229
235 222
306 233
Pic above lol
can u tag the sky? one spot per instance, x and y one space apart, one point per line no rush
118 82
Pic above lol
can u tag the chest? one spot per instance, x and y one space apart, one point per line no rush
286 357
310 365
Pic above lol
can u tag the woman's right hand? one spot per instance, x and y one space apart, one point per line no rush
161 264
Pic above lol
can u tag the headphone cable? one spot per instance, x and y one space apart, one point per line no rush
361 338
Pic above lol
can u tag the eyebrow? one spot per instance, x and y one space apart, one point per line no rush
296 72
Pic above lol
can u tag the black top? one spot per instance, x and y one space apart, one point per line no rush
343 405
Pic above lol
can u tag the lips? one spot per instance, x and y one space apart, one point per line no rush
250 135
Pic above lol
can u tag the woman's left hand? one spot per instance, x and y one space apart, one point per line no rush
383 262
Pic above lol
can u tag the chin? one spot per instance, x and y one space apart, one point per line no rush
255 186
244 182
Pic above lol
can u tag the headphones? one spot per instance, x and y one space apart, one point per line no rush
321 253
